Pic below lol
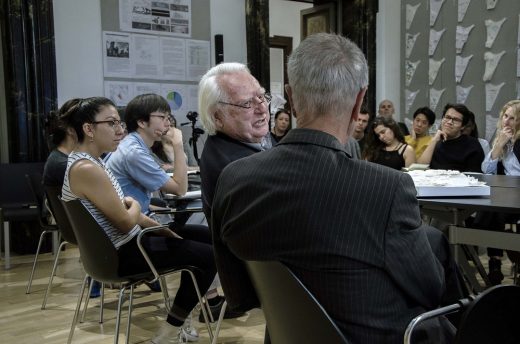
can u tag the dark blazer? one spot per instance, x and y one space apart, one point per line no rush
349 229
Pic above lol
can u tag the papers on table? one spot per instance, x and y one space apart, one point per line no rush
447 183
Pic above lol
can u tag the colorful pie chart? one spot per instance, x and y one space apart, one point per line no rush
174 99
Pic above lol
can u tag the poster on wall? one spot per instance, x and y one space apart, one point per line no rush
145 59
197 59
177 96
120 92
173 58
116 54
166 17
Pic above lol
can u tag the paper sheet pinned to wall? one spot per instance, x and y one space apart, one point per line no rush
120 92
435 96
461 37
410 67
492 92
461 63
435 66
462 9
435 37
492 29
410 14
435 8
410 43
463 93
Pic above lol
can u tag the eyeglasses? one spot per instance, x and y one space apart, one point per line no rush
112 123
163 117
264 98
454 120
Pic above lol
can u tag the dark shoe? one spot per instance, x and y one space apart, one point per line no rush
215 311
96 290
495 274
155 286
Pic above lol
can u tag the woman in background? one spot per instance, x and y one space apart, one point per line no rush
281 126
471 129
386 145
99 129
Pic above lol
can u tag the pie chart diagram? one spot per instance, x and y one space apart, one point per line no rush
174 99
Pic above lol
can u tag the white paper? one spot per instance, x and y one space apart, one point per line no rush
435 66
491 94
410 98
120 92
492 29
410 43
116 55
492 61
435 8
463 93
165 17
435 96
146 87
435 37
173 58
410 67
177 97
146 59
193 91
410 14
463 7
276 88
491 127
490 4
197 59
518 62
462 36
461 63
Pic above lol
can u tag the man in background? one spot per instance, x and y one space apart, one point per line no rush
387 109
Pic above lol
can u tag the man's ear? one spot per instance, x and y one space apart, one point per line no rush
288 90
357 104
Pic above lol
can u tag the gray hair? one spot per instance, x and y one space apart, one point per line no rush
211 92
326 73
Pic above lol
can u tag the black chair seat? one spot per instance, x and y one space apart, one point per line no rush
20 214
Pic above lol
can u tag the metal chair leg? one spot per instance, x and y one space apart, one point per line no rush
90 285
203 309
219 322
29 283
129 320
76 312
118 315
102 304
51 277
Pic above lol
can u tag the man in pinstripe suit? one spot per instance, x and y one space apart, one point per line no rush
349 229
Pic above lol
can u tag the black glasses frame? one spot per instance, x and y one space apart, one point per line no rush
266 97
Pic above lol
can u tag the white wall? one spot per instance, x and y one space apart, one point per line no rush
79 60
228 18
284 18
388 46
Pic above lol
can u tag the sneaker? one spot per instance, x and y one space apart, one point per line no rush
169 334
215 311
155 286
96 289
495 271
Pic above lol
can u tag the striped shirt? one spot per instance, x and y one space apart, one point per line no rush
117 237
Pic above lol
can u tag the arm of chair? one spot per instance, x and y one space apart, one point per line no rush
143 251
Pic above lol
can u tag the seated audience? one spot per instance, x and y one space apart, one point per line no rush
386 145
503 158
99 129
349 229
449 149
387 110
471 130
359 133
282 120
423 119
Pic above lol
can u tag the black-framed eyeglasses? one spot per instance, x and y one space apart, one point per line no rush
264 98
112 123
163 117
448 118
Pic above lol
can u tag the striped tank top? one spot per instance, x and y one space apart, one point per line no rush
117 237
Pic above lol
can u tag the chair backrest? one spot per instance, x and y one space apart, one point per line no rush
53 198
292 313
492 317
34 180
14 186
98 254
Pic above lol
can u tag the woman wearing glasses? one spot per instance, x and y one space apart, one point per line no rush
99 129
449 149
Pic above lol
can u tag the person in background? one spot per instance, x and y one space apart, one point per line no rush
359 133
504 158
386 145
386 109
471 130
423 119
99 129
282 119
449 149
350 230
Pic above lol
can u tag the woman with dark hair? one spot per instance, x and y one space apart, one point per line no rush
386 145
423 119
471 130
282 120
99 129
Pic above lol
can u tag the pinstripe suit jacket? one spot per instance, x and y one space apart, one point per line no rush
349 229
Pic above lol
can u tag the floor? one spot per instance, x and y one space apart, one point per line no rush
22 320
